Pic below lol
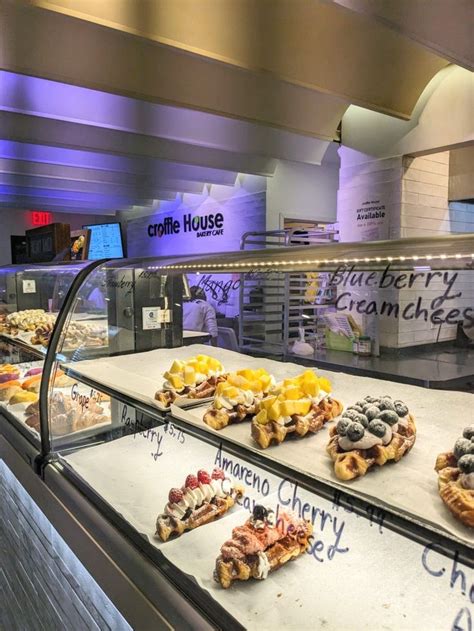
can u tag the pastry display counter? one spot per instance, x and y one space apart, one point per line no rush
265 492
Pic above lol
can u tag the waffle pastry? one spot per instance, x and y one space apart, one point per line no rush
8 389
43 334
371 432
202 499
236 399
66 415
195 378
262 545
456 478
298 407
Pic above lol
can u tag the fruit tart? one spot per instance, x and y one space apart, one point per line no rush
298 407
195 378
371 432
202 499
262 545
456 477
236 399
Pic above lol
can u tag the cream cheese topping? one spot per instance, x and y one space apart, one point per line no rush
193 498
244 397
367 441
467 480
263 566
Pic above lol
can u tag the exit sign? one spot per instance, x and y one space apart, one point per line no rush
41 218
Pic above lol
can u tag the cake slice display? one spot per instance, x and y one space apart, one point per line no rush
456 477
202 499
262 545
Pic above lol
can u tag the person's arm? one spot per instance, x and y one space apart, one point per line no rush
210 323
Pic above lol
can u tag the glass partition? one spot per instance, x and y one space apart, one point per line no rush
31 297
327 419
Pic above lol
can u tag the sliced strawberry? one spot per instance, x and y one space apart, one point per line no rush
175 496
204 477
191 482
218 474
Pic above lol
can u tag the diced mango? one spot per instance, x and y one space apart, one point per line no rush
262 417
231 392
275 411
287 408
267 403
247 373
311 388
302 406
290 382
202 367
309 375
265 381
220 387
175 381
325 384
292 393
177 366
189 375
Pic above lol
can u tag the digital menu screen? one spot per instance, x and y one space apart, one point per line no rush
105 241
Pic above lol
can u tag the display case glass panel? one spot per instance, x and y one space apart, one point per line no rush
31 297
333 437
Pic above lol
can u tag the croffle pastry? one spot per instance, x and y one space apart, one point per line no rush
202 499
8 389
32 384
23 396
66 415
456 477
8 373
298 407
236 399
262 545
371 432
195 378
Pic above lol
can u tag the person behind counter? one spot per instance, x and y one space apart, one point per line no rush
199 315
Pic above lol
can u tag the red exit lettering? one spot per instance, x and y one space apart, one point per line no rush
41 218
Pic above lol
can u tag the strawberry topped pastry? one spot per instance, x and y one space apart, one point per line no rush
299 406
203 498
263 544
195 378
237 397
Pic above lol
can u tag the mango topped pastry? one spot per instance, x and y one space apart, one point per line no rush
236 399
298 406
193 378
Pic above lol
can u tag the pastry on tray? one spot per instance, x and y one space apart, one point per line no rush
8 373
32 384
23 396
8 389
298 407
236 399
194 378
61 380
456 477
371 432
202 499
66 416
263 544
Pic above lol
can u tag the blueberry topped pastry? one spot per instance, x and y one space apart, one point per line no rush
382 430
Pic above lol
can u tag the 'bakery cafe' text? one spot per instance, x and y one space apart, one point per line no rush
202 226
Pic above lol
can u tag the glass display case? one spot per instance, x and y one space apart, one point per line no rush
31 297
222 466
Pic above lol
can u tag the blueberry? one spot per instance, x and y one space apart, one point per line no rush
377 428
356 408
462 447
466 463
352 414
469 432
400 408
355 431
388 416
259 512
342 426
372 412
361 404
362 419
370 399
386 404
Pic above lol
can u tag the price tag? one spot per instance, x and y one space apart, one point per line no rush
29 286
